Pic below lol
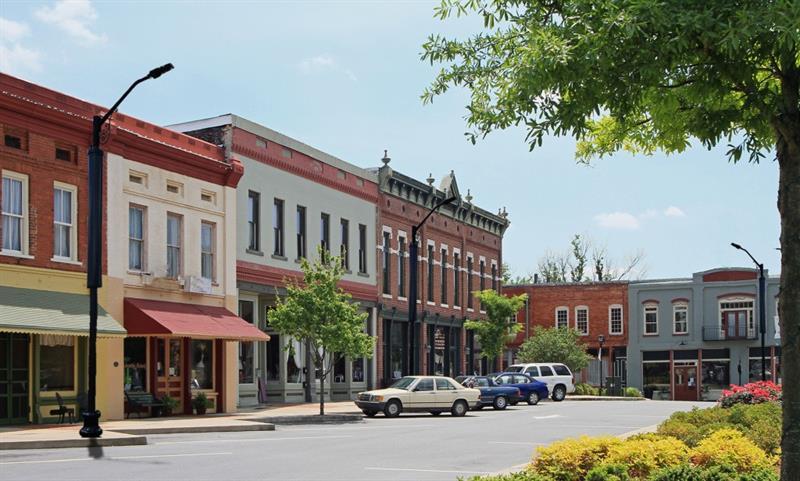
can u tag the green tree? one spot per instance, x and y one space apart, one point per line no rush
552 344
318 313
642 76
580 251
499 327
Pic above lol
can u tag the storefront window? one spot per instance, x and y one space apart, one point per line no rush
397 351
358 370
246 348
294 365
274 357
161 363
716 377
57 363
339 369
135 364
175 357
202 364
755 369
656 380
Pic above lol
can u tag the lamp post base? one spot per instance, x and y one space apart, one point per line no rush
91 425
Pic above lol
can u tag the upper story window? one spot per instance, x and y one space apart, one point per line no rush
64 233
401 266
443 299
456 279
562 317
207 238
362 248
494 277
736 317
483 274
650 319
615 319
174 241
300 221
344 247
325 235
277 228
470 273
680 318
430 272
253 221
15 138
64 154
582 320
136 236
15 212
387 260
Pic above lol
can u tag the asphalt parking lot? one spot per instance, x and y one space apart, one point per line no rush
411 447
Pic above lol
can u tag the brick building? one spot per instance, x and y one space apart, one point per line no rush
460 252
592 308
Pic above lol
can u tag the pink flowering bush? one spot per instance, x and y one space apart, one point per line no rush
753 393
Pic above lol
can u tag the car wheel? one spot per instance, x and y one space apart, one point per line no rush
436 413
370 413
459 408
392 409
533 398
559 393
500 403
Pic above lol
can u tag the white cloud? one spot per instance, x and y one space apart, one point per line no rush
673 211
15 58
617 220
74 18
322 63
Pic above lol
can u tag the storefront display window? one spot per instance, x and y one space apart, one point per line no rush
274 357
202 364
656 380
358 370
57 363
135 364
397 351
246 349
161 362
175 357
339 369
294 365
716 377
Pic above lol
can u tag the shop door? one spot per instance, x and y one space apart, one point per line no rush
170 370
685 383
13 378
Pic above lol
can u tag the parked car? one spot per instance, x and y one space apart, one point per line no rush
531 390
558 377
492 394
434 394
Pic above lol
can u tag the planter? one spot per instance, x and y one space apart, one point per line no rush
200 410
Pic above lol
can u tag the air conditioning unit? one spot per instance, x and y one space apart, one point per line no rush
197 285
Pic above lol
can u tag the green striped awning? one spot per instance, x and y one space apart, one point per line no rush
31 311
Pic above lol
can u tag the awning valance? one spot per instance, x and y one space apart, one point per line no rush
145 317
30 311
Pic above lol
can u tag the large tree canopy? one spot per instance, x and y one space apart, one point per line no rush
647 75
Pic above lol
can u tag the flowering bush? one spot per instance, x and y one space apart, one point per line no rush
753 393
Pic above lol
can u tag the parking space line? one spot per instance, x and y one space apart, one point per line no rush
115 458
252 440
445 471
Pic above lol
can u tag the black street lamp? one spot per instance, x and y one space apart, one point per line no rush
601 339
94 259
762 307
412 282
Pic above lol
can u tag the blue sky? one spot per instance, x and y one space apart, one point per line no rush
345 77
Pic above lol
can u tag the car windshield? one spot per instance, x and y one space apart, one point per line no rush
514 368
403 383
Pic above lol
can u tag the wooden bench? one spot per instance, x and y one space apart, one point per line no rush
139 400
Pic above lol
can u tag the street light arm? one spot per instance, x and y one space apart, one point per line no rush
434 209
737 246
154 74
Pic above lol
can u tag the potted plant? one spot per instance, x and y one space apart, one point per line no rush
170 403
201 403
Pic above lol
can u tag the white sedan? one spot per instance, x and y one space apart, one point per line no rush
433 394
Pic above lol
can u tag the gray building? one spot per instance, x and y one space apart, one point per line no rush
691 338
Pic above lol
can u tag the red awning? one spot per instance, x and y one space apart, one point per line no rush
161 318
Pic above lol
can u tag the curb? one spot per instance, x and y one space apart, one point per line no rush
604 398
312 419
259 426
74 443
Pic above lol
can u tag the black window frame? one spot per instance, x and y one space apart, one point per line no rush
254 223
278 246
387 263
300 220
362 248
344 244
430 273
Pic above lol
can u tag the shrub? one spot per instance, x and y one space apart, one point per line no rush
525 475
714 473
583 389
685 431
683 472
729 447
753 393
632 392
571 459
609 472
646 454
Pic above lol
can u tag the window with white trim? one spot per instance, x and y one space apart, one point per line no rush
562 317
174 238
207 232
680 318
136 235
401 266
736 317
15 212
615 319
582 320
387 259
650 319
64 232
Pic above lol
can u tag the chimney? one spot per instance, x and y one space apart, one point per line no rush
536 278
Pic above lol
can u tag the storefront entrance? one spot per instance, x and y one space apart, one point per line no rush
14 368
685 377
169 370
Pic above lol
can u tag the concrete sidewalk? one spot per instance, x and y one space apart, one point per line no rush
129 432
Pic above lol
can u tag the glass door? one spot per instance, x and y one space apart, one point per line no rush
14 368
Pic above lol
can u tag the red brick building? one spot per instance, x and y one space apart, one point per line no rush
460 252
592 308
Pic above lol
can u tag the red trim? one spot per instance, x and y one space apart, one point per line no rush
680 299
650 301
276 276
734 294
728 276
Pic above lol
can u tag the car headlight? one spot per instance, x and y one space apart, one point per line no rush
377 398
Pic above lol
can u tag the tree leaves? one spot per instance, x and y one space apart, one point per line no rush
499 327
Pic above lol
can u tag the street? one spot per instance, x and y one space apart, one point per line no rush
418 447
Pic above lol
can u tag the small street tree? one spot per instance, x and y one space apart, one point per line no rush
553 344
499 327
318 313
